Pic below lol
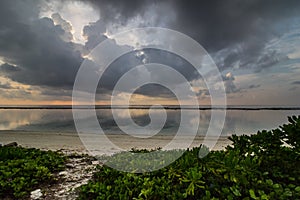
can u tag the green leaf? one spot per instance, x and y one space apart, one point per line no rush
252 194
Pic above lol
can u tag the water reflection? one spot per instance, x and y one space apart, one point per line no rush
13 119
61 120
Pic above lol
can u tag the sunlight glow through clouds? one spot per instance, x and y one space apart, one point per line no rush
78 13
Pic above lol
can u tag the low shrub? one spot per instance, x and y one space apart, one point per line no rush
260 166
23 169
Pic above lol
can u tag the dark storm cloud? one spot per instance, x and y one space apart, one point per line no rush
296 83
36 46
7 68
119 10
217 25
40 52
66 26
94 33
126 62
248 25
154 89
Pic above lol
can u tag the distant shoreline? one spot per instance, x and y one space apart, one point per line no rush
146 107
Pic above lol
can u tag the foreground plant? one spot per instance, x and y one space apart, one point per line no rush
260 166
22 170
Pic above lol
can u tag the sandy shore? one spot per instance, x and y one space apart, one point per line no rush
102 144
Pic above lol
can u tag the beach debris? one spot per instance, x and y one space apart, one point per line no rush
11 144
36 194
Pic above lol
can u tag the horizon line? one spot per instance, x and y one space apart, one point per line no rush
167 107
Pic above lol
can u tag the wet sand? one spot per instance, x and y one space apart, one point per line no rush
105 144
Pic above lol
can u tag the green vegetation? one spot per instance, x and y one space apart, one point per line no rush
22 170
260 166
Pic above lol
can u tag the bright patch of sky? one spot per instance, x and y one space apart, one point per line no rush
77 13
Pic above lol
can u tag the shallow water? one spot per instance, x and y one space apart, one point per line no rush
61 120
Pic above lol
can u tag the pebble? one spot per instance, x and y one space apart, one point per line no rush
63 173
69 165
12 144
95 162
36 194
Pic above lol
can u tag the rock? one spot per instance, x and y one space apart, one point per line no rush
36 194
12 144
61 192
77 185
95 162
63 173
70 165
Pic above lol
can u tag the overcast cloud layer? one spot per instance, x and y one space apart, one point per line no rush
251 42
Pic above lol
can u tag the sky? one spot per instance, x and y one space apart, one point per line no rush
255 45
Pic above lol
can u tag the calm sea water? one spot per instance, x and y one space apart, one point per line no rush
61 120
